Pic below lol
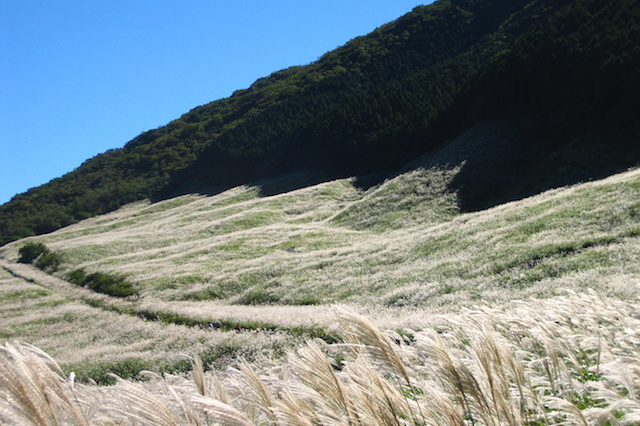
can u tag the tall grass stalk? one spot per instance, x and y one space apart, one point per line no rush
571 360
32 389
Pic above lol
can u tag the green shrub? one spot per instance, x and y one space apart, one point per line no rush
49 261
77 277
113 285
102 373
44 258
30 251
100 282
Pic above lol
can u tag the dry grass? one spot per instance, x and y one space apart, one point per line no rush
280 262
561 356
567 360
333 243
54 315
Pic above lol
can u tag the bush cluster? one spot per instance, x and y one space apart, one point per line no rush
100 282
44 258
49 261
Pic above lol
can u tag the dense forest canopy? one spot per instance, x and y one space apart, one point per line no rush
557 69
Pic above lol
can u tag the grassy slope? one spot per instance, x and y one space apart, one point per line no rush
326 116
397 250
385 98
564 360
55 315
332 242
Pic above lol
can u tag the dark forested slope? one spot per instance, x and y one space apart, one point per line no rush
374 104
570 85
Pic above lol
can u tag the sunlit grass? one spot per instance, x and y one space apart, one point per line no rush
564 360
241 260
243 248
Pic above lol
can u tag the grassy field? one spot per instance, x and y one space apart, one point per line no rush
400 243
568 360
239 274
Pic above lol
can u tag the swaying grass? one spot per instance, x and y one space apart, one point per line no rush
249 265
93 334
398 244
567 360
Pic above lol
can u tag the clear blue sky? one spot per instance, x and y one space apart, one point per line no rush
78 77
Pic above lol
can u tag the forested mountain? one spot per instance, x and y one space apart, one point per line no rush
562 74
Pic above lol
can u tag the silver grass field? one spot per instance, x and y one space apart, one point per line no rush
335 305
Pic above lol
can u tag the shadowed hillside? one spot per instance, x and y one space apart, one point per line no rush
563 75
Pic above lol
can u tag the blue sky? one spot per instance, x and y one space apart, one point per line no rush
78 77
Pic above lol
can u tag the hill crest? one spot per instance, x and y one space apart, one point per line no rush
382 100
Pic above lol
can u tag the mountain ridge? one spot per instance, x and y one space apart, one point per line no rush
378 102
